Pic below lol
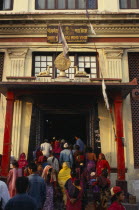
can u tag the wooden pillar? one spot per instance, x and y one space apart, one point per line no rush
7 134
120 144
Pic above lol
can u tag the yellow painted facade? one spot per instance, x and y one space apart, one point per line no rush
113 62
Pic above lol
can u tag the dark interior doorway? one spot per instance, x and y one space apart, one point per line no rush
64 126
64 119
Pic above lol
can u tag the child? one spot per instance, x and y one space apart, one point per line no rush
116 199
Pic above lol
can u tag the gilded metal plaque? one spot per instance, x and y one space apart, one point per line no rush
72 33
62 63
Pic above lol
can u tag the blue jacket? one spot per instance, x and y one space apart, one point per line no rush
81 144
37 189
66 156
21 202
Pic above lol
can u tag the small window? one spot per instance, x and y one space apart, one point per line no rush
85 63
88 64
41 63
65 4
6 4
129 4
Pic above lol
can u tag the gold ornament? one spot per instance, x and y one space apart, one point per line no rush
62 63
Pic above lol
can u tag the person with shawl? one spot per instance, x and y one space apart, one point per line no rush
63 176
102 164
47 171
74 193
22 162
12 176
48 177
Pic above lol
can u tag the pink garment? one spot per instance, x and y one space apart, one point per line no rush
11 179
46 171
22 162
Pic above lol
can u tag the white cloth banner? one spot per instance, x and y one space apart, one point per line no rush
92 29
61 39
105 94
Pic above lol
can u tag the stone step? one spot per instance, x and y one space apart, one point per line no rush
128 206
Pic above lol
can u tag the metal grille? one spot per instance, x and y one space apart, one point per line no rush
1 65
133 59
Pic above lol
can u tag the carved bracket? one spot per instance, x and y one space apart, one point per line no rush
17 53
114 54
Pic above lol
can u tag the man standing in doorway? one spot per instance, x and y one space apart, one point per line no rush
66 156
79 142
46 148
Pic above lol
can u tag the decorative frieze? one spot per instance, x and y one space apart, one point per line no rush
23 30
39 30
17 59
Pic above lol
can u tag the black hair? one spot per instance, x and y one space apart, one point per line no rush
15 163
77 182
46 140
73 173
71 147
115 197
90 150
77 135
21 184
48 178
33 166
39 164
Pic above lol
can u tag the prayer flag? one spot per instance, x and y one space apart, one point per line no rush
92 29
61 39
105 94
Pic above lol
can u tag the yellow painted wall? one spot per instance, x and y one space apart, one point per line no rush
105 6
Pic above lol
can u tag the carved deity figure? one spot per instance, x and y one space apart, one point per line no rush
45 72
79 73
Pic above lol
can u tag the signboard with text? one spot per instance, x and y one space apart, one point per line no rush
72 33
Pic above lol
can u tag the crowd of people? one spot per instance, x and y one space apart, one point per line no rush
60 177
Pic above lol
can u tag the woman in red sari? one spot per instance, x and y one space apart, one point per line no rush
74 193
102 164
11 179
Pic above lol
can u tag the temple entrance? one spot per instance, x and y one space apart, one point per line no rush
54 117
